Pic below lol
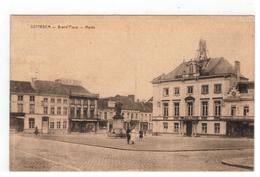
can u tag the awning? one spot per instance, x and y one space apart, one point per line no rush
19 117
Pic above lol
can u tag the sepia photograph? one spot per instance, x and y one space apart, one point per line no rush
132 93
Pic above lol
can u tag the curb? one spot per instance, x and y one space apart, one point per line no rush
147 150
249 167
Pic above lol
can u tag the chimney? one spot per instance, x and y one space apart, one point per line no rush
237 70
132 97
33 82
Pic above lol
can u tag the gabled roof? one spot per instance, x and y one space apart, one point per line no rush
208 67
21 87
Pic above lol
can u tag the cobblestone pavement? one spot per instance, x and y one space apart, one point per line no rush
28 153
155 143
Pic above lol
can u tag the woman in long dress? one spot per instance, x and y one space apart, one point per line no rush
133 136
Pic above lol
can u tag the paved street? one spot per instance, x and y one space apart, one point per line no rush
50 153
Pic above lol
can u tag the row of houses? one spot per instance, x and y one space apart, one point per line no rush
64 106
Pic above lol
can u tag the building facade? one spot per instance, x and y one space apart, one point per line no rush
48 105
136 114
203 96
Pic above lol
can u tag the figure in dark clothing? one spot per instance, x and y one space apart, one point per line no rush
36 131
128 135
141 135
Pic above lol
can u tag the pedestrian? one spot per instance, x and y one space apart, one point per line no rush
36 132
128 135
141 135
133 136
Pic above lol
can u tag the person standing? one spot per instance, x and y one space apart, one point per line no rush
141 135
128 135
36 131
133 136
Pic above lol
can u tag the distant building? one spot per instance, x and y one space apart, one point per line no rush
136 114
52 107
204 96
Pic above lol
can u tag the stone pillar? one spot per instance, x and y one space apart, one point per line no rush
81 109
95 111
88 115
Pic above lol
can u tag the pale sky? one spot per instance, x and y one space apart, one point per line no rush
123 50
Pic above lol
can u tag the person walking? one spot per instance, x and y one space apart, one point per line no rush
141 135
36 131
128 135
133 136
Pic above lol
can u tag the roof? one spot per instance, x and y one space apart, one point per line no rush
21 87
208 67
51 87
127 103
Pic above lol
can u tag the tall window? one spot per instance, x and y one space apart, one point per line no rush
45 110
45 100
72 111
204 127
176 90
58 124
32 98
204 110
176 127
217 108
105 115
32 108
176 109
246 110
78 112
78 101
165 109
190 108
31 122
165 125
64 124
52 125
191 69
233 110
59 100
52 110
85 112
20 107
52 100
217 88
65 110
65 101
190 89
217 127
20 97
166 92
204 89
58 110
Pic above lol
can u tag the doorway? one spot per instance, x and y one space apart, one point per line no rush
45 125
189 128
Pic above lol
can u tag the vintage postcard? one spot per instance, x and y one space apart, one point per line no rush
132 93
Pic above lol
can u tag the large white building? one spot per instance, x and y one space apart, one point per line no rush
204 96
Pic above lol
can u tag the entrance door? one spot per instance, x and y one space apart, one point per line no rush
188 128
45 125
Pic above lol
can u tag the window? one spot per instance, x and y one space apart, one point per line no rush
78 112
166 92
132 115
32 98
64 124
204 109
176 109
77 101
52 125
165 110
204 128
85 102
72 111
246 110
217 88
58 124
45 110
204 89
65 101
176 90
150 117
233 110
20 97
217 108
32 108
190 108
59 110
176 127
52 110
85 112
165 125
31 122
136 115
217 127
20 107
190 89
45 100
65 110
52 100
105 115
59 101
